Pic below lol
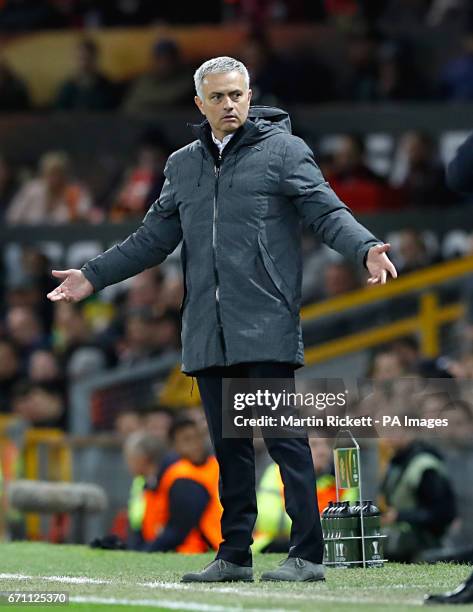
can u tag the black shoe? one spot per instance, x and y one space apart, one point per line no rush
220 570
294 569
463 594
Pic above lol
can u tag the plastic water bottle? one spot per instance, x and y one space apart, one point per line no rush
325 530
373 541
341 549
332 520
353 531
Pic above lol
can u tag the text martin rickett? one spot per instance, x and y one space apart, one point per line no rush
294 421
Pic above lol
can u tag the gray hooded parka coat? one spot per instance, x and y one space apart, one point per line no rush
239 217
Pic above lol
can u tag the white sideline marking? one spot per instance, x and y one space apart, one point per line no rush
313 595
213 588
170 605
76 580
261 594
65 579
14 577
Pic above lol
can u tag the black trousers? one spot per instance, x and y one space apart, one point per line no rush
236 459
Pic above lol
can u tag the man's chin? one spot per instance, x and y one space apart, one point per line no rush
230 126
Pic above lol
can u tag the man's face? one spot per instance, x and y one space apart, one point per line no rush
138 464
189 444
225 101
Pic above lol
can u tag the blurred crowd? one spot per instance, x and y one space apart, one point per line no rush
379 64
60 197
45 347
27 15
66 192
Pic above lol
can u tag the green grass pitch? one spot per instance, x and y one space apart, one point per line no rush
111 580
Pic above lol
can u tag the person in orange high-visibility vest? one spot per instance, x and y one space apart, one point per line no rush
183 512
147 457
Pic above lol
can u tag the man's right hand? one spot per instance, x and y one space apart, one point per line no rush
74 287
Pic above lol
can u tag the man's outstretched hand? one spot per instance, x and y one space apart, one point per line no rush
74 287
379 264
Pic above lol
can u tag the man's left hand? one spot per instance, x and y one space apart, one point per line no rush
379 264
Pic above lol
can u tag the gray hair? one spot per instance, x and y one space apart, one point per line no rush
146 444
218 65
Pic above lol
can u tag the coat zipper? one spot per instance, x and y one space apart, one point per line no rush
214 247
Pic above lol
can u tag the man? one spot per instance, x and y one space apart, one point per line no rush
183 513
420 499
236 196
177 507
173 503
144 454
166 83
88 89
460 179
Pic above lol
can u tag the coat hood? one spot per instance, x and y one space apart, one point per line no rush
270 119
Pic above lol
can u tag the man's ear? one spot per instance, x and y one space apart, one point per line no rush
250 93
198 103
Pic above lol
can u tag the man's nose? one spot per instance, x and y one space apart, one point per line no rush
228 103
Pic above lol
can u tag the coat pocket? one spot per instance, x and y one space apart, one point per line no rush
184 276
275 276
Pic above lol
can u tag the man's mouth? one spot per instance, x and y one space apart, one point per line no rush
229 118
